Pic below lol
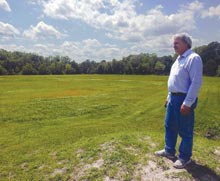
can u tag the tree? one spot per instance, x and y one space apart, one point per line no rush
159 67
57 68
128 68
44 69
28 70
75 67
69 69
210 67
28 63
218 71
3 71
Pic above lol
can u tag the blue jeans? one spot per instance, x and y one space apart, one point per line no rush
178 124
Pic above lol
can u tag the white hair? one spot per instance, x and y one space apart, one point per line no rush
185 38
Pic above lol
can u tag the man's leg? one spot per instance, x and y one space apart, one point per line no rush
171 129
186 127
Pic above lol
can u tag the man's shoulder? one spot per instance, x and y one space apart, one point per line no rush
194 58
193 55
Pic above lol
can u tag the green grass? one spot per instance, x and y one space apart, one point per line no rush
68 123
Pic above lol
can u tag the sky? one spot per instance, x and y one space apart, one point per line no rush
105 29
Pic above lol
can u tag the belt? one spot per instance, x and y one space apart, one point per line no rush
178 94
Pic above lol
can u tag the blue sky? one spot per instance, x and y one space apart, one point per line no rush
105 29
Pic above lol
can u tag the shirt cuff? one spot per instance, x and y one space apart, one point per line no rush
188 103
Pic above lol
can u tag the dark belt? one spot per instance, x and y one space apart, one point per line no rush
178 94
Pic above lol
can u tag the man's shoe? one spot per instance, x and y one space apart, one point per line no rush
179 164
164 154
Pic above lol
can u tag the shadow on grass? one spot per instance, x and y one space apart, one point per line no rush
202 173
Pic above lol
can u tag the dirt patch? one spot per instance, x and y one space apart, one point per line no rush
109 165
217 151
107 178
148 140
108 146
60 171
81 169
162 169
159 169
24 166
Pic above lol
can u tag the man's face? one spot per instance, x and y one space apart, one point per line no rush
179 46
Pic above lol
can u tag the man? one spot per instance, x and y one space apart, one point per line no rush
183 86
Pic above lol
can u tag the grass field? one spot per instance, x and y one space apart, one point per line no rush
96 127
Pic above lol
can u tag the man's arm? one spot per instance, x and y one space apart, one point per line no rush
195 69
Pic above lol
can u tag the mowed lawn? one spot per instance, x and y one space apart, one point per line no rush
93 127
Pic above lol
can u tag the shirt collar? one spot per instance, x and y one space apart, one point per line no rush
186 53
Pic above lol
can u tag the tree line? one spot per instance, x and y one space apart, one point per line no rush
20 63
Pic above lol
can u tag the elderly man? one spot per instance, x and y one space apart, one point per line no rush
183 86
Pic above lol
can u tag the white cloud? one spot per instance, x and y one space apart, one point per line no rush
13 47
4 5
42 31
211 12
194 6
160 44
89 49
41 47
97 13
79 51
34 2
120 19
150 31
8 30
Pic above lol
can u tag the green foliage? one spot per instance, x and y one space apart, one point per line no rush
218 71
3 71
29 70
159 67
26 63
210 55
44 69
69 69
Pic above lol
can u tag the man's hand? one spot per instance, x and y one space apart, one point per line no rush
184 110
166 102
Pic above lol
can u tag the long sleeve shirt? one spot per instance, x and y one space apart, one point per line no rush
186 76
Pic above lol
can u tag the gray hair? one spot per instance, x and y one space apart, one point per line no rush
185 38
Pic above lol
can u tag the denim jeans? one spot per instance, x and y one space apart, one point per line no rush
178 124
